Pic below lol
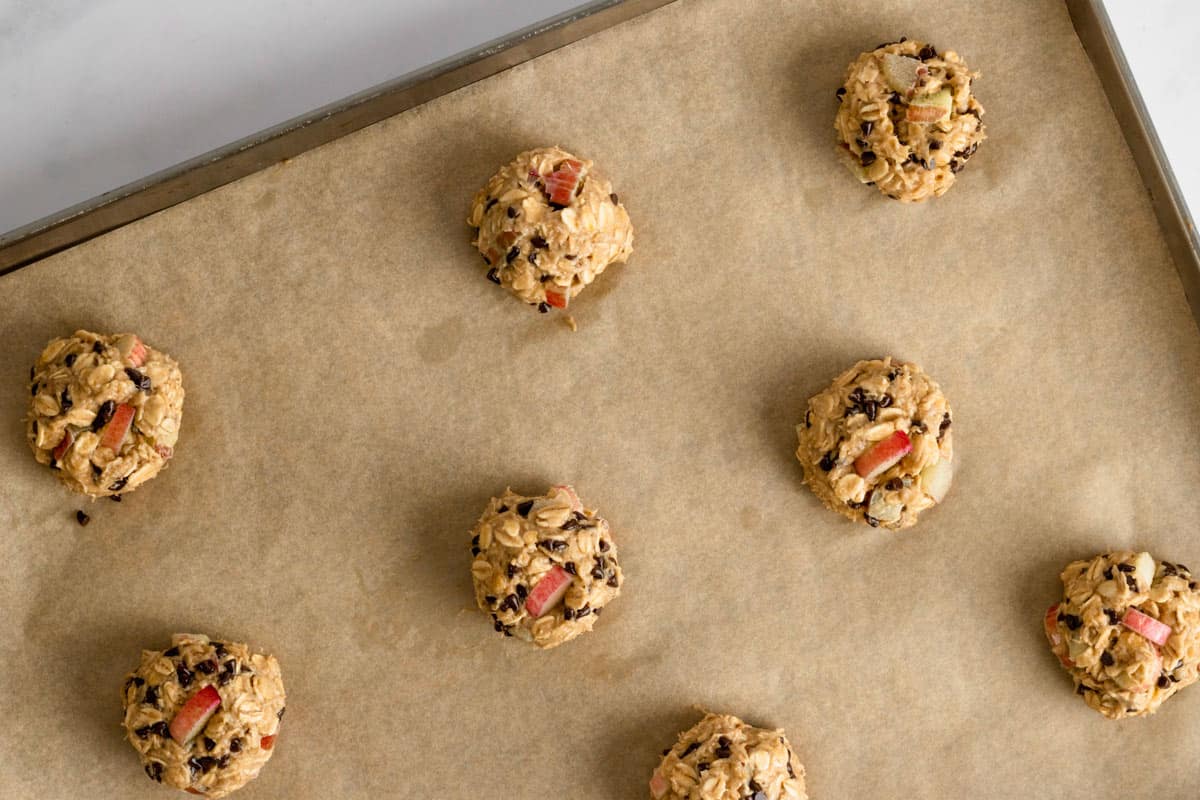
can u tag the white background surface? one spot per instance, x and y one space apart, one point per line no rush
98 93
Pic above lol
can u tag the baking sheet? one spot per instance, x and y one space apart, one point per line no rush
357 390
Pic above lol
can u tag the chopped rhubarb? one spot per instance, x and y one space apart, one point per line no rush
929 107
557 300
117 427
65 445
548 592
576 503
194 715
268 742
658 785
561 184
137 355
882 456
902 72
1146 626
1052 634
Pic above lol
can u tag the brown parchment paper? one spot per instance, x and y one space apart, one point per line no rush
356 390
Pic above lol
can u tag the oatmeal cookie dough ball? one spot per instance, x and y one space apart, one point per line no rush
203 714
876 445
908 122
105 411
548 225
545 567
1127 630
723 758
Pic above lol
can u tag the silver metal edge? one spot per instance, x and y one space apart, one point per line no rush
188 179
1099 40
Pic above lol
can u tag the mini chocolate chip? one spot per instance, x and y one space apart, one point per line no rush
874 523
722 752
753 786
570 525
603 545
522 592
475 541
1071 621
119 484
1173 679
185 675
691 748
1113 617
523 508
871 409
139 380
97 347
151 696
136 681
33 390
512 570
207 667
702 766
511 255
612 580
538 241
235 746
723 741
1191 584
867 158
142 732
543 308
103 414
498 625
570 256
490 599
1108 573
1132 581
512 212
532 259
493 276
927 52
955 166
82 518
155 771
862 144
598 574
791 772
827 461
223 762
894 485
808 418
491 202
942 428
502 509
894 97
209 744
614 198
160 728
1106 658
1125 567
511 602
69 360
569 567
840 93
582 611
568 613
1163 682
65 399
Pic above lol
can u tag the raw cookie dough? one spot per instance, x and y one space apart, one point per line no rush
876 445
1127 630
520 542
105 411
908 121
548 226
225 753
723 758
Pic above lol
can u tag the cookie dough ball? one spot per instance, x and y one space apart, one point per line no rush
876 445
548 226
203 715
105 412
723 758
908 121
1127 630
545 567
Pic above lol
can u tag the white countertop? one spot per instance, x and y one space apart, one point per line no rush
104 92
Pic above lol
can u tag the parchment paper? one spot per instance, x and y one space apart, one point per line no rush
357 390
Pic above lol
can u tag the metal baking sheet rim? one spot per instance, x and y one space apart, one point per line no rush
28 244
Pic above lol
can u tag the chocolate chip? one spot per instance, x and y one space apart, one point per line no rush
1113 618
103 414
1106 658
927 52
874 523
160 728
65 398
119 484
722 752
871 409
1132 581
598 574
223 762
235 746
151 696
1163 682
69 360
827 461
612 580
511 602
202 764
840 93
691 748
139 380
935 145
136 681
543 308
155 771
552 544
512 570
499 626
209 744
702 766
521 591
582 611
894 485
97 347
207 667
493 276
722 741
603 545
867 158
142 732
511 255
1108 573
523 508
753 786
615 200
185 675
569 567
512 212
490 599
1071 621
538 241
570 525
568 613
82 518
491 202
